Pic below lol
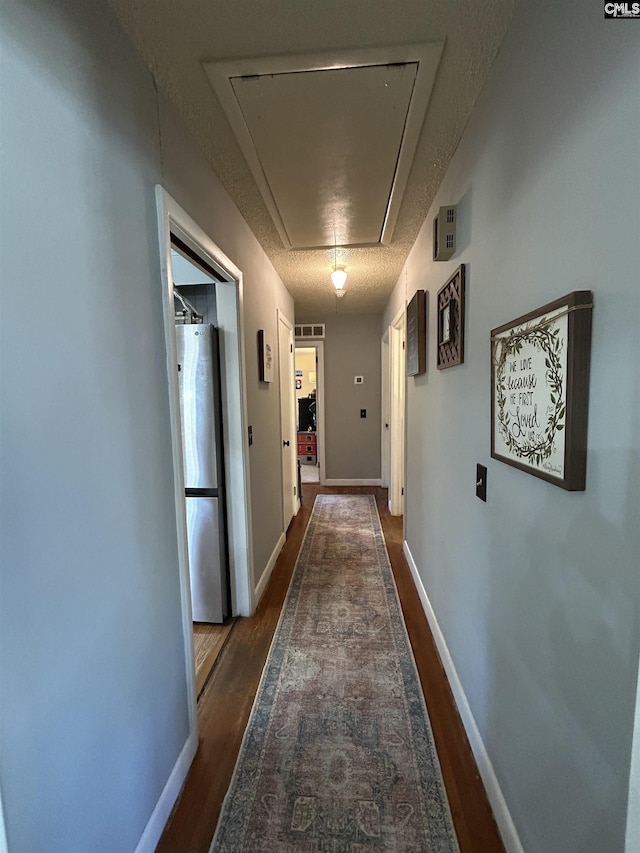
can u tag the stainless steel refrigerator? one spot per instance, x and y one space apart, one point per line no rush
201 416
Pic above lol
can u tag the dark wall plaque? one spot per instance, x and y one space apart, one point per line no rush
416 335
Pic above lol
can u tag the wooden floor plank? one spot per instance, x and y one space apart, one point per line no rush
225 703
208 642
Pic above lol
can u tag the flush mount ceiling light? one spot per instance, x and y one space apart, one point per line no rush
338 277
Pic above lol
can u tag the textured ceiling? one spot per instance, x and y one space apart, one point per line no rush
177 39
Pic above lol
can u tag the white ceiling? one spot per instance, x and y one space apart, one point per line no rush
330 124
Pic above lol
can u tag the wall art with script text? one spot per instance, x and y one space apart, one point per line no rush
540 391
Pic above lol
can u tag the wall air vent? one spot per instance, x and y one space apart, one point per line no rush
310 330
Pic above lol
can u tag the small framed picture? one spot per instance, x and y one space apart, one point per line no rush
298 384
265 357
450 302
416 334
445 323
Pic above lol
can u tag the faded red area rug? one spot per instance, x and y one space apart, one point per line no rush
338 755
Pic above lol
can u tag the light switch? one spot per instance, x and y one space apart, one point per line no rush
481 482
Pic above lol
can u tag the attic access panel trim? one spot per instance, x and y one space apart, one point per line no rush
328 143
425 57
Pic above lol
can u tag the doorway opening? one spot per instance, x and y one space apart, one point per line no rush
209 288
395 455
290 496
194 293
309 391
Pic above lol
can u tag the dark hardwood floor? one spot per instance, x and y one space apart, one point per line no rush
225 703
208 642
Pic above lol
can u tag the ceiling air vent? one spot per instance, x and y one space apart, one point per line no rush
310 330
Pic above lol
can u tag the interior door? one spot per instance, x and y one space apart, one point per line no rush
287 420
397 402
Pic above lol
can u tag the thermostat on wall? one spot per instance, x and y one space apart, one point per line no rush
358 380
444 233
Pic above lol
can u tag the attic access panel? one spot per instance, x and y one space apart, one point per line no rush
330 138
328 143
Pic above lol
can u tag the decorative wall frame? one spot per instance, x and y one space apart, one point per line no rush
417 334
265 357
450 318
540 390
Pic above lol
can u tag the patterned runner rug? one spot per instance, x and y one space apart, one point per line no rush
338 755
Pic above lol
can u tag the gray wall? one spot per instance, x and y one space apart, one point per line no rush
351 348
537 591
93 702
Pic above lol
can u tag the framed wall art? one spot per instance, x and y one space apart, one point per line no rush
540 390
450 307
417 334
265 357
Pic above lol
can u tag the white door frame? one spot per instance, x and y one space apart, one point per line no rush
173 219
291 502
397 374
301 343
4 847
632 841
385 428
320 412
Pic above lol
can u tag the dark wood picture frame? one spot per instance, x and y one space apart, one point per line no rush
540 390
450 319
265 357
416 334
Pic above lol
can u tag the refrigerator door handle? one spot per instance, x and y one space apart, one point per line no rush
201 493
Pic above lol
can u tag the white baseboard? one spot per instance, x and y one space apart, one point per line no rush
507 828
160 815
351 482
266 574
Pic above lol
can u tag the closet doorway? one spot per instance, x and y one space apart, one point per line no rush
208 289
194 293
309 390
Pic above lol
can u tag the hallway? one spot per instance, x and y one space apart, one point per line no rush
225 704
113 138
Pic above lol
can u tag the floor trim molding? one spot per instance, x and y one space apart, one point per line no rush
352 482
501 812
266 574
160 815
